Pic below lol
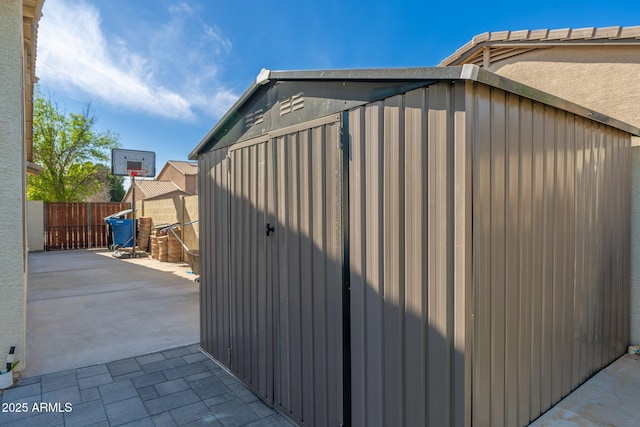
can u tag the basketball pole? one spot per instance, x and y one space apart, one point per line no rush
133 213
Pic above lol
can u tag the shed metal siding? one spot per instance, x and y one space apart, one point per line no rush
493 329
251 302
214 255
488 257
272 305
409 226
550 244
309 288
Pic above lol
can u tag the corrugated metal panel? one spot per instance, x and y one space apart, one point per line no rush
271 305
214 255
308 370
544 297
550 271
250 282
408 319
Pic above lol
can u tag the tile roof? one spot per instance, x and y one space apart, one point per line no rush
187 168
153 189
511 43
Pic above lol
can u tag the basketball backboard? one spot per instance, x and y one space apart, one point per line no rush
124 161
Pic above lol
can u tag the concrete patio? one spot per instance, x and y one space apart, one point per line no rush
86 307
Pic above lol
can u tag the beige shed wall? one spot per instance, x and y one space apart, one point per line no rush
609 85
12 184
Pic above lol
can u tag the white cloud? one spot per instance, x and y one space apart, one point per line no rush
214 34
75 53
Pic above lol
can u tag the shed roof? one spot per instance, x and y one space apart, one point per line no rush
267 105
489 47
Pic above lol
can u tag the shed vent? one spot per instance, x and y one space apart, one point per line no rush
254 118
296 102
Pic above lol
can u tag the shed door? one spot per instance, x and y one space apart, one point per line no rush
286 270
252 209
308 292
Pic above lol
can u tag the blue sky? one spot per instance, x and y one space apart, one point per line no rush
161 73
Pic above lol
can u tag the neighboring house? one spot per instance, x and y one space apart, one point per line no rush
18 36
183 174
177 178
598 68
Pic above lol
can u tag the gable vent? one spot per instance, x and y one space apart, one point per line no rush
296 102
254 118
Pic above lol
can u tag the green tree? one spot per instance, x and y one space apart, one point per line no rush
113 186
70 151
116 184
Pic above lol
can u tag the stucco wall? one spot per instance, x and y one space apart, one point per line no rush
171 174
191 184
188 183
35 225
603 79
634 333
12 184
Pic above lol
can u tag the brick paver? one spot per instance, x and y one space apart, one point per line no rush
176 387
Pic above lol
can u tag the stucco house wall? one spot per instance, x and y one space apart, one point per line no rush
35 225
602 78
12 184
186 182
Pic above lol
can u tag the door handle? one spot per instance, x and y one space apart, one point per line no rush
270 229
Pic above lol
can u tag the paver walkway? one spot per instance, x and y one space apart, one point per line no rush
177 387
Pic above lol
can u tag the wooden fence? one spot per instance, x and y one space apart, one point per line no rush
72 225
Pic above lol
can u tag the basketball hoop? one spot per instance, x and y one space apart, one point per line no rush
134 164
135 173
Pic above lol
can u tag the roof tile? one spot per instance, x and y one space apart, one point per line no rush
607 32
500 35
630 32
519 35
539 34
481 38
560 34
582 33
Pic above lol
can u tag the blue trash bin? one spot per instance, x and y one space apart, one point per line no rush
121 231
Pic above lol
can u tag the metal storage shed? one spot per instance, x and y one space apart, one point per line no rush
428 246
